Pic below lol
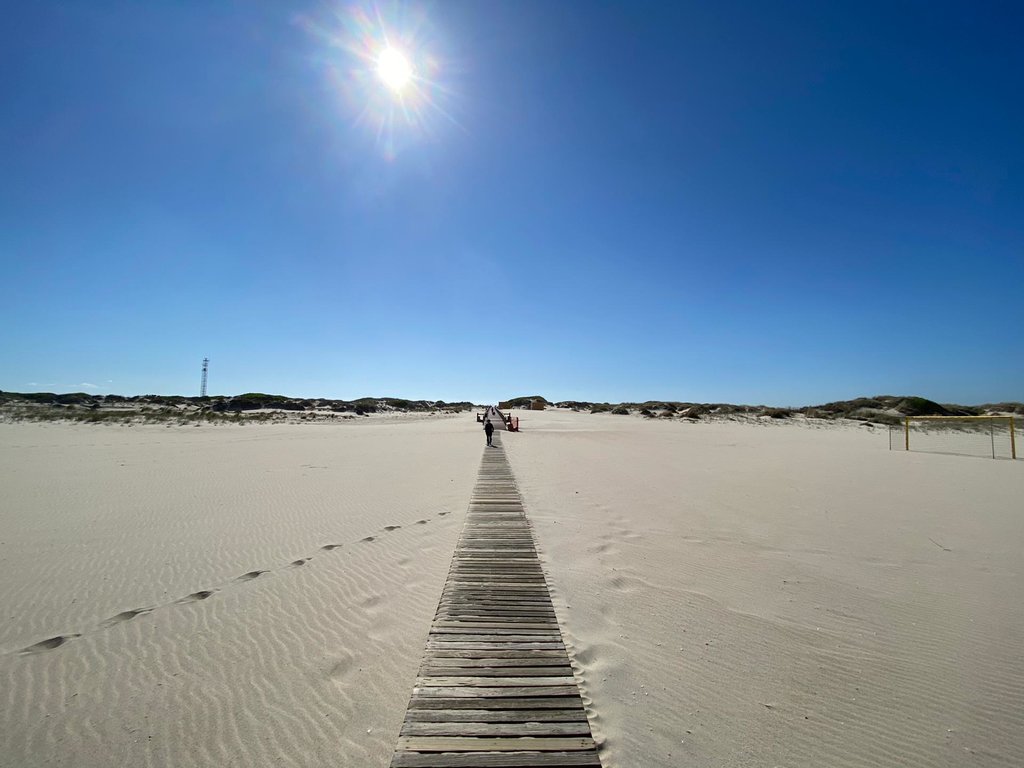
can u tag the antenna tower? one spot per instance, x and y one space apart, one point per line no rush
202 387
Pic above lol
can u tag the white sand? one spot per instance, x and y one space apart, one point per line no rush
780 595
734 594
303 666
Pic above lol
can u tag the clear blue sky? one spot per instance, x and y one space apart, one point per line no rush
782 203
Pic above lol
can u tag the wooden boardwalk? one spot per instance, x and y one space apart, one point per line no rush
495 687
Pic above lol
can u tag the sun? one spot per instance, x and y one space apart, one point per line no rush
394 69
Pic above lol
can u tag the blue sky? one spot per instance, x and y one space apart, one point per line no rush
782 203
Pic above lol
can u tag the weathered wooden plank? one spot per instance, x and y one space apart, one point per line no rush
512 744
482 645
525 704
506 574
489 625
495 715
497 663
496 599
510 618
491 571
491 652
470 728
494 759
498 633
497 637
481 585
479 605
502 682
483 591
435 671
496 602
496 613
469 691
499 607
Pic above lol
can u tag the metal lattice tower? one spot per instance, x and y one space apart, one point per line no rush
202 387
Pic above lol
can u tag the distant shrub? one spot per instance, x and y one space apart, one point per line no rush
647 412
919 406
524 402
75 398
39 397
887 418
778 413
621 411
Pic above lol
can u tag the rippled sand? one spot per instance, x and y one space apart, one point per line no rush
220 595
733 594
782 595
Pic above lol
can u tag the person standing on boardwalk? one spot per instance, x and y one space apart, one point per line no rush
489 429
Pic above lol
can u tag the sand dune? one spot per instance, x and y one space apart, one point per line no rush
734 594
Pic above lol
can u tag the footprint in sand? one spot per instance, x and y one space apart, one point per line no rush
341 668
421 522
329 547
196 596
391 527
301 561
125 616
368 538
50 643
249 576
442 514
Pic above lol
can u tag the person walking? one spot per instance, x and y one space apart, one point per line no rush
489 429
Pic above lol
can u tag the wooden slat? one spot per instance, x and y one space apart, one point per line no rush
495 715
428 691
505 682
494 759
470 728
564 702
512 744
478 626
431 670
497 653
496 687
493 662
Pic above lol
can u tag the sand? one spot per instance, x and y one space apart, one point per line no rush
733 594
303 665
782 595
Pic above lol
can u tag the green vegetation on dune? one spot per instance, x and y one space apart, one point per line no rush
259 406
882 409
244 408
524 402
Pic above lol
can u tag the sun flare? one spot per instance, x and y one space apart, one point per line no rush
394 69
387 65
